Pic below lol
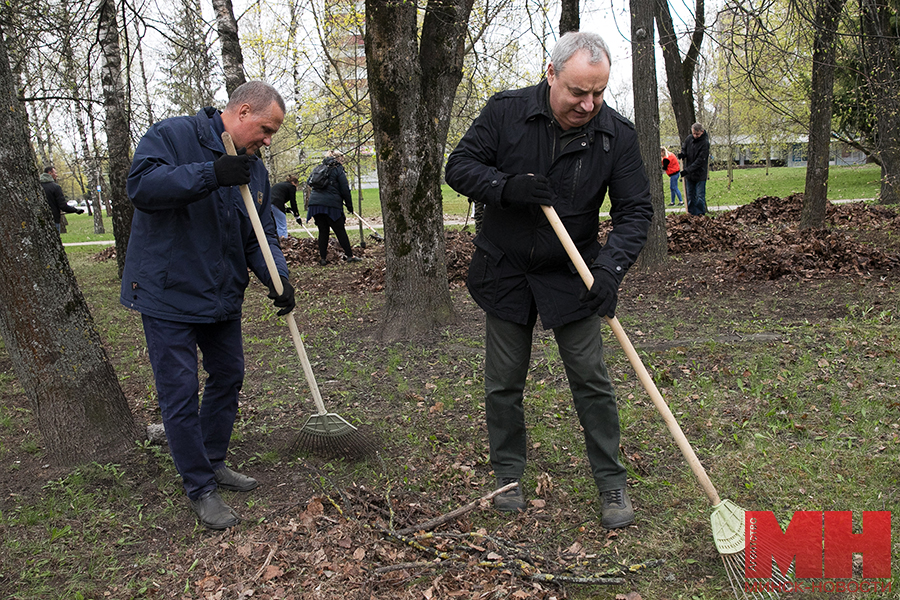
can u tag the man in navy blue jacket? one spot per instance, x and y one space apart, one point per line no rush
191 245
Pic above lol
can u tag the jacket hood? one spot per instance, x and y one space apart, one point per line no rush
47 178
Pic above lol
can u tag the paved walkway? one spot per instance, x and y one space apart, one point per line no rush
375 222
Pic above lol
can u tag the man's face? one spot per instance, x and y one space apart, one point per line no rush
696 133
254 129
576 94
53 174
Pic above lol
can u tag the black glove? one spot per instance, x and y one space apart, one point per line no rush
79 211
299 220
286 300
604 294
349 206
233 170
683 174
524 187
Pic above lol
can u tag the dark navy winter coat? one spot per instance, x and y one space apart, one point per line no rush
337 193
519 262
192 241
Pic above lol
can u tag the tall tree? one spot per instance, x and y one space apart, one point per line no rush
815 195
569 17
118 137
59 359
646 117
881 52
188 74
680 73
232 57
412 83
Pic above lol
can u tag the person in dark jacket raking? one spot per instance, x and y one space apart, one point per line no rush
695 170
557 144
284 194
190 248
325 208
55 197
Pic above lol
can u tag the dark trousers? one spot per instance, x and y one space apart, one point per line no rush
324 223
696 196
507 358
198 432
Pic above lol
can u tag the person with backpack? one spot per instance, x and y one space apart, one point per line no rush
329 193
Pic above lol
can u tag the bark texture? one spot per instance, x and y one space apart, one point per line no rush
812 215
680 73
118 136
412 86
232 56
646 117
45 323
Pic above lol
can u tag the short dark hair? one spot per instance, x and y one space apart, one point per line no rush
48 169
257 94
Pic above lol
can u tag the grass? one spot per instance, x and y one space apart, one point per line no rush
805 420
845 183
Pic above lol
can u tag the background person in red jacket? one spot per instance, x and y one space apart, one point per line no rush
673 169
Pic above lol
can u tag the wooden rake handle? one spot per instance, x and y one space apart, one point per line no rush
276 281
635 360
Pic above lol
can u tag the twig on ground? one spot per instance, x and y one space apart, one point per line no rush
266 563
422 564
428 525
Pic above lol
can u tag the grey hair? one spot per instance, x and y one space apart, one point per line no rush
258 94
574 41
697 127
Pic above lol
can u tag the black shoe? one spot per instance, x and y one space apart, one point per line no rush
352 259
615 508
213 512
231 480
511 500
323 262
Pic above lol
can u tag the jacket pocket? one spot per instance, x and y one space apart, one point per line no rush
484 270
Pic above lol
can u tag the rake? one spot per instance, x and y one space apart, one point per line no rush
326 434
727 518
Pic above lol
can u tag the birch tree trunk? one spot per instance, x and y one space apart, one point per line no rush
232 57
118 137
45 323
412 83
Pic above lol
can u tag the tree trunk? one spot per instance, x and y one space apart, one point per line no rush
569 18
812 214
680 74
412 87
232 57
882 56
45 323
118 136
646 118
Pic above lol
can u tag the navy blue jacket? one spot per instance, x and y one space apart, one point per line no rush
192 241
519 262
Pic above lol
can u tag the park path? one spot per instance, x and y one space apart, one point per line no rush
375 222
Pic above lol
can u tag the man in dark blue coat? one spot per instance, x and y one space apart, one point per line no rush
558 144
191 245
695 170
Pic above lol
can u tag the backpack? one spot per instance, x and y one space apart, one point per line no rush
320 176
